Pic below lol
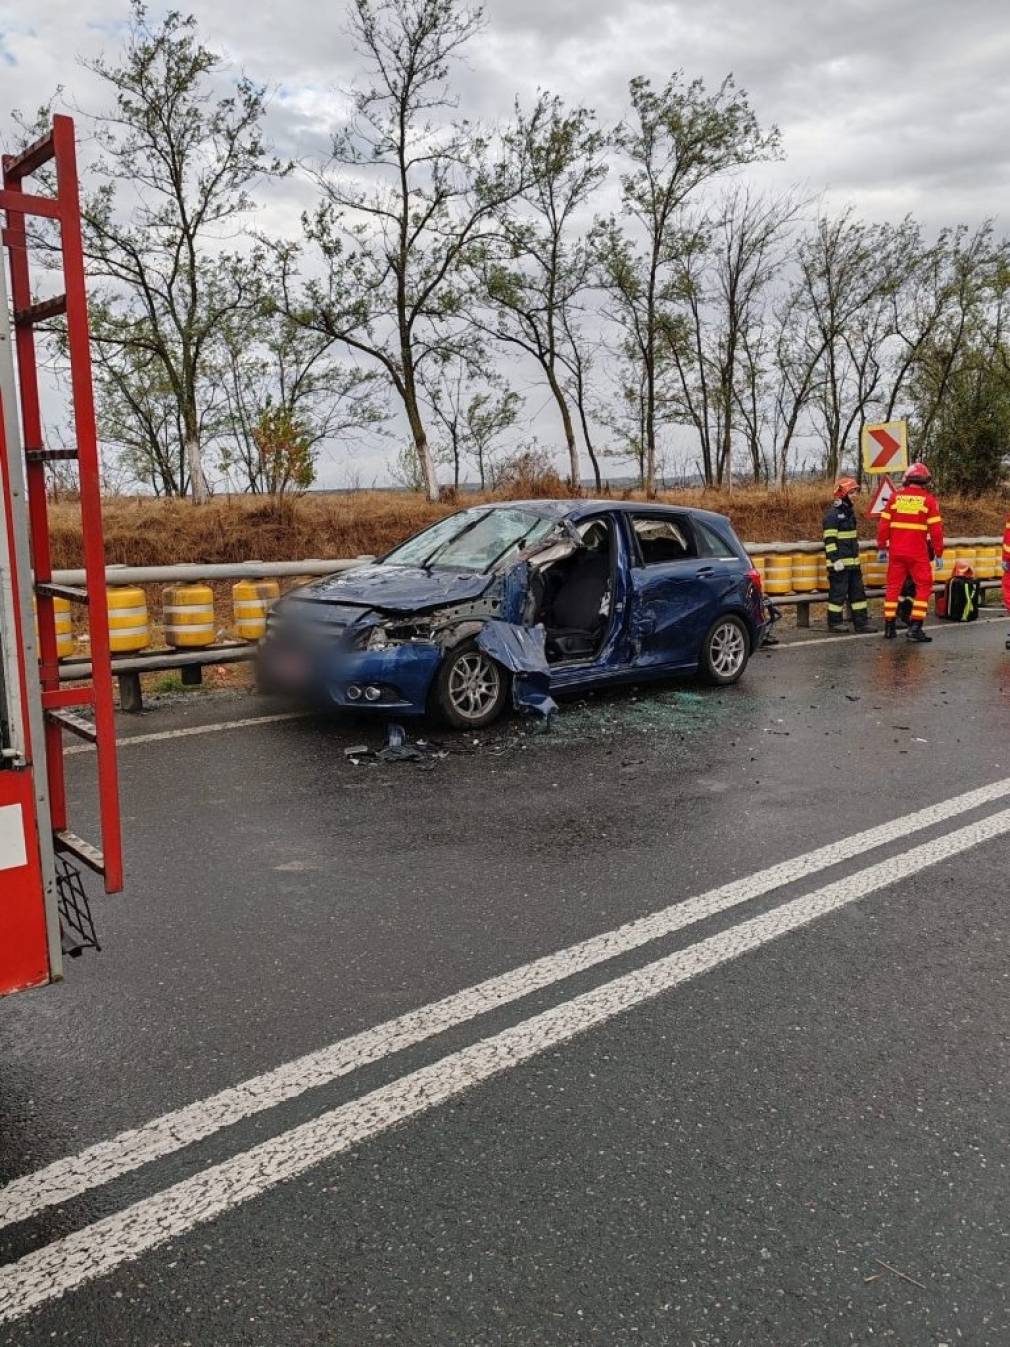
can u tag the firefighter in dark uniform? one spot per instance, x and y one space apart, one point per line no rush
841 548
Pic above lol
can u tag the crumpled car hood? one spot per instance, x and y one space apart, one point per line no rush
398 589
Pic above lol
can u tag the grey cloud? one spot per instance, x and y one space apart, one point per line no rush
902 101
899 106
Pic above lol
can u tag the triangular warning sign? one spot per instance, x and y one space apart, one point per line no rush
882 497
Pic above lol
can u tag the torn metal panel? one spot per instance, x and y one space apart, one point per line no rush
523 651
403 589
515 591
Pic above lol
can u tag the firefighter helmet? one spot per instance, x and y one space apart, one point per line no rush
846 487
918 473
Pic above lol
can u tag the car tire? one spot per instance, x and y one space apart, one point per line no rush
725 651
470 688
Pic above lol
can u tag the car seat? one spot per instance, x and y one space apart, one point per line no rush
576 622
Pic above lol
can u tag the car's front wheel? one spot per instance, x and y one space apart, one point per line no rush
470 689
725 651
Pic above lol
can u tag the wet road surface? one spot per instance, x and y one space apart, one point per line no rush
774 1113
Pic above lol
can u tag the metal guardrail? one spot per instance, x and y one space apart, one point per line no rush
128 668
763 549
263 570
196 571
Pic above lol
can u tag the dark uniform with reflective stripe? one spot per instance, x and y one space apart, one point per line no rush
841 543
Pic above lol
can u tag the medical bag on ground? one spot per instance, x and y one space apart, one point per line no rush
961 597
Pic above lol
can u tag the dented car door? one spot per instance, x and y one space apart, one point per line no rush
673 599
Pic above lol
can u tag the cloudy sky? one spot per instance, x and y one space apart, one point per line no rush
898 106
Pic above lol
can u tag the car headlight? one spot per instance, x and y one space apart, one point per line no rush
383 635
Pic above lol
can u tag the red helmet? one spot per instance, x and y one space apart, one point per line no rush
918 473
845 487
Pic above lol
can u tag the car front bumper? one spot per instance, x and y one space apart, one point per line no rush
393 678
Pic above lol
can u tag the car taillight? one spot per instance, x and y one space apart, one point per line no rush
755 578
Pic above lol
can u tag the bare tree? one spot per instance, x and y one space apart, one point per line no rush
845 273
675 141
280 380
392 250
474 407
176 167
972 266
795 349
577 356
727 262
627 417
533 274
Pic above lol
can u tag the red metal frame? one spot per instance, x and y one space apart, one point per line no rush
59 148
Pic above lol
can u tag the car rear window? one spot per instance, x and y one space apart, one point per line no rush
662 539
710 541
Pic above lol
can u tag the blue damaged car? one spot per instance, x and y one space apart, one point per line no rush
517 601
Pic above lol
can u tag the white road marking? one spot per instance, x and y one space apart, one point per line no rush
99 1249
108 1160
191 730
841 639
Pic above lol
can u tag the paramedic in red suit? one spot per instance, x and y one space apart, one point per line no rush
911 537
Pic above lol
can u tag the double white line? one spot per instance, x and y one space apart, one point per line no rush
105 1245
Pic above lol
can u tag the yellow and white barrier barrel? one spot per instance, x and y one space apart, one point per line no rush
874 571
822 571
779 573
188 616
250 601
129 625
993 563
66 642
804 573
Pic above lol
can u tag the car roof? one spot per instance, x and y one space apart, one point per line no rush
578 509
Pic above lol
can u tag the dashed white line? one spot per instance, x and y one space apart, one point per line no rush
108 1160
99 1249
190 731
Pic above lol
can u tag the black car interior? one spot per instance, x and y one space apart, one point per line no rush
573 596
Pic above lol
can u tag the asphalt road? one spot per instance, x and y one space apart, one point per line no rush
776 1113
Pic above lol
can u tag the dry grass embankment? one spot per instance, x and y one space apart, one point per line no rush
151 532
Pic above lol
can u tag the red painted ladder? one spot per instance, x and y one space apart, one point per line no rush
60 704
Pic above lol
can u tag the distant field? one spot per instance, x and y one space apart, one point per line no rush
149 532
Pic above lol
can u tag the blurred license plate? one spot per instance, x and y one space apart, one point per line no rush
290 666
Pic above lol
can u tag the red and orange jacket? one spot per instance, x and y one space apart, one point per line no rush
1006 542
911 525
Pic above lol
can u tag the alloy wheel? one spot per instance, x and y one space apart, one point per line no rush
474 684
727 650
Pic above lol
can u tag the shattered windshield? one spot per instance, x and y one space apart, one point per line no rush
473 540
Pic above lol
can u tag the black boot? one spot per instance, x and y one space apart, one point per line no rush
916 633
890 629
862 628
